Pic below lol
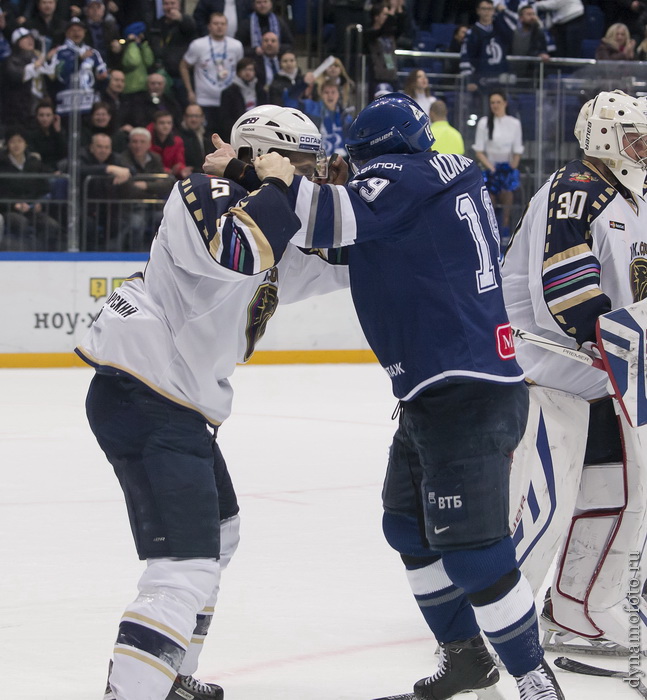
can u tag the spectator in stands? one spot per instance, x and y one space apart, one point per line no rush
212 59
168 145
100 120
417 87
258 23
528 39
104 192
486 46
72 55
23 79
99 159
616 45
289 84
267 62
568 24
112 95
48 138
141 219
337 73
447 138
331 118
50 28
381 37
170 36
102 31
136 57
142 161
458 37
197 141
243 94
27 224
236 12
498 147
143 105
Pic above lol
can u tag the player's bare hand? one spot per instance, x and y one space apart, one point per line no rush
274 165
221 145
216 162
338 171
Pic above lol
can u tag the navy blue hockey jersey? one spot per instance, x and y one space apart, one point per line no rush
425 276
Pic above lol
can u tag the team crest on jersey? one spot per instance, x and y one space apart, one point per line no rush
638 270
617 225
583 177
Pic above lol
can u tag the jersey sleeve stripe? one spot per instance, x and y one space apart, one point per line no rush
586 273
567 256
257 243
569 301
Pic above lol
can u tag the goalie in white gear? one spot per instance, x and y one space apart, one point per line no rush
580 251
164 346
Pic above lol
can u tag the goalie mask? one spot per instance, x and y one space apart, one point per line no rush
273 128
613 128
393 123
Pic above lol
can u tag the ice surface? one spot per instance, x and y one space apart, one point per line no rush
315 605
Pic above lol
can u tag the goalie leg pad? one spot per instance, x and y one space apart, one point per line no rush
544 478
596 591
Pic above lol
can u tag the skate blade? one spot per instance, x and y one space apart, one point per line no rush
491 693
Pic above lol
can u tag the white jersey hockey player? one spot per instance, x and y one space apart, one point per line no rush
579 251
164 346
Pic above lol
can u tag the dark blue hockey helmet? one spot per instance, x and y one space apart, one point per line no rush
393 123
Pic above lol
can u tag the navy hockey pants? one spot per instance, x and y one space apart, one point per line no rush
450 460
171 470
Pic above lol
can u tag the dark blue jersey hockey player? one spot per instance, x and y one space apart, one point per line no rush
425 280
427 288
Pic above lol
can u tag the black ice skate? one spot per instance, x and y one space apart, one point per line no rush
539 684
462 666
184 688
190 688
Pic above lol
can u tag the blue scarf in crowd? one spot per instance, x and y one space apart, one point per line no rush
255 28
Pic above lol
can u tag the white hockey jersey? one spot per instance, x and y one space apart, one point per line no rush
580 250
218 265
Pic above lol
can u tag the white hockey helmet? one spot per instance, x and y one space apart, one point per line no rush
273 128
613 128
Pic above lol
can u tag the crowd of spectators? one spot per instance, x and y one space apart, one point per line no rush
153 79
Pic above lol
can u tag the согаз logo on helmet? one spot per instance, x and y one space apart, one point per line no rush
309 143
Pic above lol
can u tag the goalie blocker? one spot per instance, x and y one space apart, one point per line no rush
597 586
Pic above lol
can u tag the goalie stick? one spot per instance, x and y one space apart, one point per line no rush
573 666
560 349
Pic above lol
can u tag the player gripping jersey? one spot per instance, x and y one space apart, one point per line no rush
164 345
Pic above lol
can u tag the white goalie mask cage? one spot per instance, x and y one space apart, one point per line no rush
270 127
613 128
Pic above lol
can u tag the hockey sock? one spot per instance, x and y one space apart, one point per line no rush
443 605
155 629
502 600
229 539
